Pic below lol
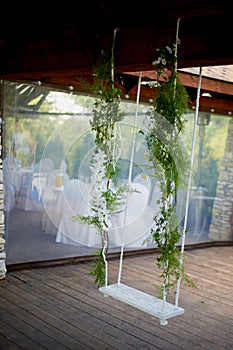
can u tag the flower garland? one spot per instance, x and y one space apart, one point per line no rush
106 196
169 160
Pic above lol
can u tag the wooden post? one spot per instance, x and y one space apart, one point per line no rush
2 215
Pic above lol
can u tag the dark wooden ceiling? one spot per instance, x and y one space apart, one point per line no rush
59 44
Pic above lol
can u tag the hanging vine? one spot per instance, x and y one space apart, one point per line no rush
105 198
165 123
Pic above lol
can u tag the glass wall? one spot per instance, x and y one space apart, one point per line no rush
48 146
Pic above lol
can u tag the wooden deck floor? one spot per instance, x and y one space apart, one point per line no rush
60 307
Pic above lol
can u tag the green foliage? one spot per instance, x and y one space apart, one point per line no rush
107 110
169 160
90 220
166 239
106 114
171 103
98 269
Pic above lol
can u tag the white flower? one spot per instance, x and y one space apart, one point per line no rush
169 49
99 181
164 62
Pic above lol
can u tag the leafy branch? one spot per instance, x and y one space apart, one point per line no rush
105 198
168 157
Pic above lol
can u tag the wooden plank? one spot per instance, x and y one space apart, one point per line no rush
146 331
43 315
63 305
186 322
136 316
67 317
8 329
5 343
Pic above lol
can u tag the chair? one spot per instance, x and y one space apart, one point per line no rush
31 185
30 196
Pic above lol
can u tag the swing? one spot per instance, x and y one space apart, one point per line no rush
154 306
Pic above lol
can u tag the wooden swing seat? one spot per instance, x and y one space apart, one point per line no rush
143 301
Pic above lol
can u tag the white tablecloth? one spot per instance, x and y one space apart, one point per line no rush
131 227
130 231
75 200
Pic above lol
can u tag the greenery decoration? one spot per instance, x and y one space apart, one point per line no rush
106 196
164 124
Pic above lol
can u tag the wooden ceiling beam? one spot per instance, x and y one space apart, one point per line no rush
191 80
216 104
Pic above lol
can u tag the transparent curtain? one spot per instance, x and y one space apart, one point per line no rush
48 147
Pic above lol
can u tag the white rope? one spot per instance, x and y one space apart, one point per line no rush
189 186
112 82
176 50
104 258
134 129
130 174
